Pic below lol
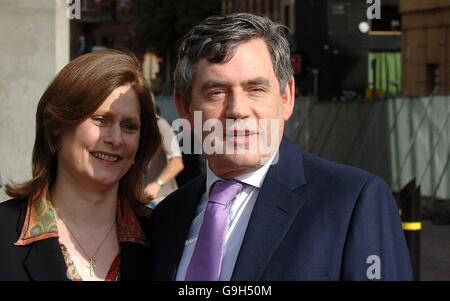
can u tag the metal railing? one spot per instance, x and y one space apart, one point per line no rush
397 139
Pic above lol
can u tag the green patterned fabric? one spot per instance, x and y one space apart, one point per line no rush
46 219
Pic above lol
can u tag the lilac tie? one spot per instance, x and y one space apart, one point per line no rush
206 260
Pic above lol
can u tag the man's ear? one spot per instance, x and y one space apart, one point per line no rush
183 107
288 99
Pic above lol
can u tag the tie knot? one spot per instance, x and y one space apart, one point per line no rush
224 191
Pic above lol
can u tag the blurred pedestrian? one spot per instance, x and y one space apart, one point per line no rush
165 165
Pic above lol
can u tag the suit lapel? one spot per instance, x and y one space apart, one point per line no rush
169 251
185 222
134 262
273 214
45 261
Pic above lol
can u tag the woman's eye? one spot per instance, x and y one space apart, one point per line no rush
130 126
99 120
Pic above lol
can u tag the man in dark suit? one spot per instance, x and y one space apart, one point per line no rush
265 213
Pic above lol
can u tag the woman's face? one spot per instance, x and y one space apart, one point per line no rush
101 149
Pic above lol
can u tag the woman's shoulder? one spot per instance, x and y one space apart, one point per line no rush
12 207
16 202
12 214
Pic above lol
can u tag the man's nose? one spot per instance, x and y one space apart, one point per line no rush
237 106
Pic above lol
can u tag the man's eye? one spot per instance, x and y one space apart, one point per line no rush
216 94
258 90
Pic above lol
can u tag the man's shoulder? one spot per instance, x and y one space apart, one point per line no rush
340 179
327 176
316 168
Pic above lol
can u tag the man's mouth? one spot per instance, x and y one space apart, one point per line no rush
241 133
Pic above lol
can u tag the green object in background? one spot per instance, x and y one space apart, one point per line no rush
385 72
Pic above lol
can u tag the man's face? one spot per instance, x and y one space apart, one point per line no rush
243 95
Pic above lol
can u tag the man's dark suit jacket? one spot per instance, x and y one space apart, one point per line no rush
312 220
43 260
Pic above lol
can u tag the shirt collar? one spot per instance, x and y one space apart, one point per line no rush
254 178
40 223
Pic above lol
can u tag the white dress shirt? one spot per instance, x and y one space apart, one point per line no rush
238 218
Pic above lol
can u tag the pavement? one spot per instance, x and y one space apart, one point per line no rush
435 252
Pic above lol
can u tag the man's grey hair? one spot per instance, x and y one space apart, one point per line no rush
217 38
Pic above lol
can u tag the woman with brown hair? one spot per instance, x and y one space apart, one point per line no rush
80 216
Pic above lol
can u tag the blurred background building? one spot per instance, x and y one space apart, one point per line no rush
343 55
346 55
373 78
111 24
104 24
426 41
